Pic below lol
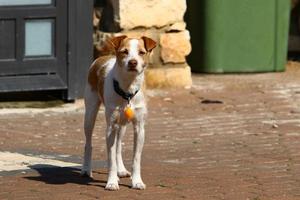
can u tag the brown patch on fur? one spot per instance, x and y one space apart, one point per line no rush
107 49
97 74
110 46
149 43
116 41
97 51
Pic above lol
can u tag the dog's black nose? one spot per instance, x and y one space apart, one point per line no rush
132 63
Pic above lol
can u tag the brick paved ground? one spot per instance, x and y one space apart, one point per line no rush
244 146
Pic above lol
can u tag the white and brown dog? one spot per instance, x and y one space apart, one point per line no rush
116 81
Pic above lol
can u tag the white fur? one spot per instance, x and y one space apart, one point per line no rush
114 106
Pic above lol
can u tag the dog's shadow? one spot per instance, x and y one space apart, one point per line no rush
50 174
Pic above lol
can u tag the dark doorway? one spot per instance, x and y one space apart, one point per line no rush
40 44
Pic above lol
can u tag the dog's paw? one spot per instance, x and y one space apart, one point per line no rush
112 186
124 174
86 173
139 186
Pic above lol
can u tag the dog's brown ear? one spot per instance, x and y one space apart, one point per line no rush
149 43
116 41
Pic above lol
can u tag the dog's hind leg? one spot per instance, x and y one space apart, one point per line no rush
122 171
92 103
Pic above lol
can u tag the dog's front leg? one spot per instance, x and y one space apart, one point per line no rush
111 140
122 171
139 137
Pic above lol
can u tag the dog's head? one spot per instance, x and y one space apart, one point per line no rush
132 53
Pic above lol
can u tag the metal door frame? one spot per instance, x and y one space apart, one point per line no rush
80 54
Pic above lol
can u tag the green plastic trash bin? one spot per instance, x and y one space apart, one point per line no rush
238 35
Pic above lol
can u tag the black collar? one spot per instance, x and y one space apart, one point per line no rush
125 95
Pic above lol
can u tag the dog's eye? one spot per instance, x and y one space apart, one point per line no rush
125 51
142 53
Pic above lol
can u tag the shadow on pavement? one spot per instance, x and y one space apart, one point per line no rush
50 174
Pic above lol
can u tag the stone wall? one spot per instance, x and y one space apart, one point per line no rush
162 20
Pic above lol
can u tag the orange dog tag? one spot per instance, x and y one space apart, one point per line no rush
128 112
